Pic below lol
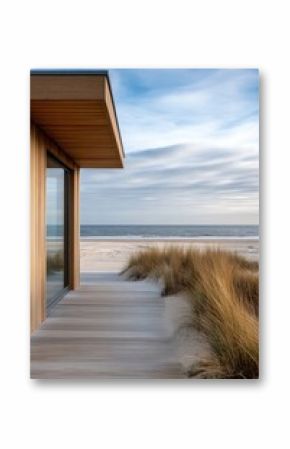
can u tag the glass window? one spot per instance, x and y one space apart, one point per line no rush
56 230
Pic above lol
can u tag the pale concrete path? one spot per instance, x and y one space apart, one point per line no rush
108 328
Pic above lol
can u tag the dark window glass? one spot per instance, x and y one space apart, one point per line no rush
56 230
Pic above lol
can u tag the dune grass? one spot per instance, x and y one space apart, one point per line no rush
223 288
54 262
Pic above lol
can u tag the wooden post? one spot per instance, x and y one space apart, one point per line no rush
37 229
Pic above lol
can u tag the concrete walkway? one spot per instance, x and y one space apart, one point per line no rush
107 329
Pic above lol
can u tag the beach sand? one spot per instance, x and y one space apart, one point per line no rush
112 255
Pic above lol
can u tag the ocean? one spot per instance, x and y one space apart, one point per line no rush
168 231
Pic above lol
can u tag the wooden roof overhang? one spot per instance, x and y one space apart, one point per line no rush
76 109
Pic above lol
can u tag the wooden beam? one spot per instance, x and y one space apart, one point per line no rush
37 228
100 163
54 149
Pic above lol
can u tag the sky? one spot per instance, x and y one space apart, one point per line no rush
191 139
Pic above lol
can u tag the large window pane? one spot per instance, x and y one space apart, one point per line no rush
55 225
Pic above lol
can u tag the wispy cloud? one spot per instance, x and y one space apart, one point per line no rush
191 138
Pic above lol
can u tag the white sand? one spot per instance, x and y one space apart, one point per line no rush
112 255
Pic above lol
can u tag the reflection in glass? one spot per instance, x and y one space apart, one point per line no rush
55 230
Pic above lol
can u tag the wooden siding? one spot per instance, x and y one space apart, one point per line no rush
37 225
39 145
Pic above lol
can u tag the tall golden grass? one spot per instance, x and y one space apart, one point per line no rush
55 262
223 288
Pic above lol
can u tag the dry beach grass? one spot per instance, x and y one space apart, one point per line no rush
55 262
223 289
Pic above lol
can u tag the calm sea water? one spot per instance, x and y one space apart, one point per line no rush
173 231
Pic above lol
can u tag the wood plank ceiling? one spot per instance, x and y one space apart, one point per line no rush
78 113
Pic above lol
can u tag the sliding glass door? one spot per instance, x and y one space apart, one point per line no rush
56 230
